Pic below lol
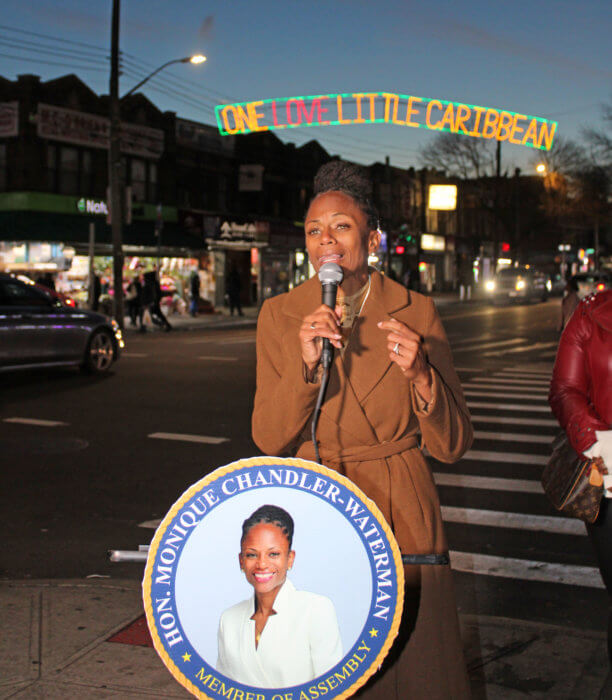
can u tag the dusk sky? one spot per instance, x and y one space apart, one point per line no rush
550 59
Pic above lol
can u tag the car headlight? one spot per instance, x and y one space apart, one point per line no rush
118 333
520 284
549 285
490 286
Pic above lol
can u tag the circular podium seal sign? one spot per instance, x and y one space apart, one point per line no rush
323 553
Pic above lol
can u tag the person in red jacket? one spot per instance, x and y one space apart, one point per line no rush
581 399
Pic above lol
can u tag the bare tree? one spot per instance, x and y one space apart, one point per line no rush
459 156
599 141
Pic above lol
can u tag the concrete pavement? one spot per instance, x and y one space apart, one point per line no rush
54 643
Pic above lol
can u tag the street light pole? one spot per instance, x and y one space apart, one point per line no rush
114 171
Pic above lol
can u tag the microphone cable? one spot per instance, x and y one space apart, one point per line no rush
317 410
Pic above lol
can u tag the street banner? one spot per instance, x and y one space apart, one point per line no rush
292 529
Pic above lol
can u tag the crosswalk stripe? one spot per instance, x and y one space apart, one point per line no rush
530 372
207 439
515 420
495 380
35 421
510 395
488 483
535 390
505 457
526 348
526 570
516 521
511 437
485 346
133 354
214 358
524 408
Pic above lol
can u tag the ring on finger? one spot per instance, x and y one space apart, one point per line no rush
313 325
396 348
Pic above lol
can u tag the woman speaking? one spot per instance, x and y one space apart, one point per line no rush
392 391
281 636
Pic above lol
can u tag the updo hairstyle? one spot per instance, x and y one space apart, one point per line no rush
269 514
350 179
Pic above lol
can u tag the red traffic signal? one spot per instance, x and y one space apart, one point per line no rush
400 249
505 247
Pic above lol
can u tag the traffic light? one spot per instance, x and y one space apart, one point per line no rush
400 249
505 247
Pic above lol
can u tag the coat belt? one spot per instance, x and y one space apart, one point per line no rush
359 453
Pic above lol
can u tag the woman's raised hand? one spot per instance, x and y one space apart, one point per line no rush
406 350
322 323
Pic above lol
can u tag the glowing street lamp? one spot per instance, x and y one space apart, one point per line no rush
541 168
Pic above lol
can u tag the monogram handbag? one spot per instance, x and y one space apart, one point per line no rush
571 483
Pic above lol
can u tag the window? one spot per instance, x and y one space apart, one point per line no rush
51 167
14 293
138 179
69 171
2 166
85 180
152 182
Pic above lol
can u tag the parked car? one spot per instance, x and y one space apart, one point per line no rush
37 329
590 282
518 284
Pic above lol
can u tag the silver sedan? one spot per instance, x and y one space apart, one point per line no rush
38 330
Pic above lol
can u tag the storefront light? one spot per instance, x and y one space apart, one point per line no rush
299 258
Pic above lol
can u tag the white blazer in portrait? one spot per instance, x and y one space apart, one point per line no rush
299 643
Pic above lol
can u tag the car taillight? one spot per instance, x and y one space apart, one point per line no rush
70 302
600 287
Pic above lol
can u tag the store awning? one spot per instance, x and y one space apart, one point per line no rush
74 231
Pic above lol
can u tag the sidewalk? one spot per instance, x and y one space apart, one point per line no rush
222 318
54 643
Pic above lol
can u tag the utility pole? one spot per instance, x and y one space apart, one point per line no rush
114 170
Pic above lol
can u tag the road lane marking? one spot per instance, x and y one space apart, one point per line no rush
516 521
512 437
485 346
510 395
527 348
462 339
150 524
207 439
488 483
506 457
501 380
134 354
515 420
531 372
526 570
525 408
468 369
216 358
474 384
35 421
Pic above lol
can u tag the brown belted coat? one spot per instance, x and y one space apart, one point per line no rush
370 428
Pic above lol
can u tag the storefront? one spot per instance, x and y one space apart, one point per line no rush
57 234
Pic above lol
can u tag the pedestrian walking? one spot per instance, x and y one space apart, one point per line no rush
151 298
134 302
234 287
194 290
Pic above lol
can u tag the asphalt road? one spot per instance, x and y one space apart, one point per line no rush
96 478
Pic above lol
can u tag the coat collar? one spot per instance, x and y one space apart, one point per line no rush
305 298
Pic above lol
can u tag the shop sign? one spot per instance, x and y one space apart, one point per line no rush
250 178
431 242
9 119
92 206
442 197
93 131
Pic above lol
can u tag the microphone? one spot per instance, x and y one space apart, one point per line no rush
330 276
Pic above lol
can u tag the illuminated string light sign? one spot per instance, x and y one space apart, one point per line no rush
385 108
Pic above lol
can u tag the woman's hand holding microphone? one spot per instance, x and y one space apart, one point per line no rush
322 323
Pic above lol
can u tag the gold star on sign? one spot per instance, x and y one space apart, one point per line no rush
373 632
186 657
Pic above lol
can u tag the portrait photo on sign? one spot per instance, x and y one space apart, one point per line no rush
288 536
